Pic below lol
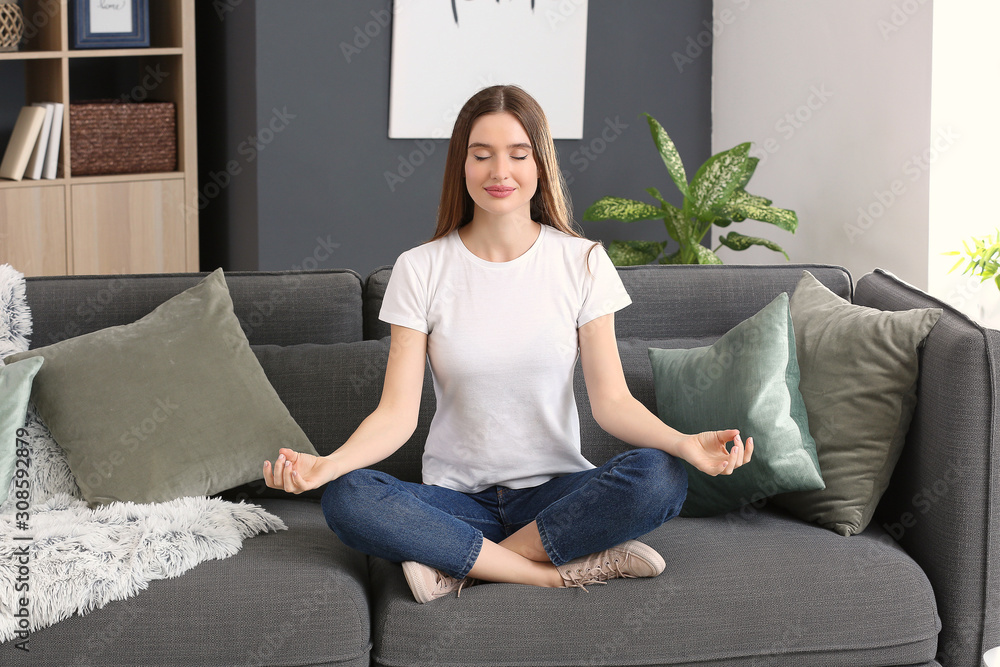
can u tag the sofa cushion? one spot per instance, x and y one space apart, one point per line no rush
295 597
274 308
330 390
672 301
748 379
174 404
748 588
859 381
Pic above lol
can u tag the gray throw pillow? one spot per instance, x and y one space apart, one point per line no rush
174 404
858 368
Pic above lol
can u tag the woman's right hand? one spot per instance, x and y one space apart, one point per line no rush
296 472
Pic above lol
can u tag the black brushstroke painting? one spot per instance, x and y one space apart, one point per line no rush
454 8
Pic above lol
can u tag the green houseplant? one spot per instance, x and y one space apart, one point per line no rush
982 258
715 196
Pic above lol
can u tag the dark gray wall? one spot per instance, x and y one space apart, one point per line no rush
311 190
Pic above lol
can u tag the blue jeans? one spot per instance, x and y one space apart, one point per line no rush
577 514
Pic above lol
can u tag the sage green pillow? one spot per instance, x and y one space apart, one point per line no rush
15 388
859 369
747 380
174 404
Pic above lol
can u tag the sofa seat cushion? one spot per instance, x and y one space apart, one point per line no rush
746 588
295 597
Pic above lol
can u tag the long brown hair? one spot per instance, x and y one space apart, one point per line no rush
550 204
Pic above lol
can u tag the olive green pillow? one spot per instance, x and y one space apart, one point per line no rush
174 404
859 370
747 380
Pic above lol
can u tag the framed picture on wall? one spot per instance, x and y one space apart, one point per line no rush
443 52
110 24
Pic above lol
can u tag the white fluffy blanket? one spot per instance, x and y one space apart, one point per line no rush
79 559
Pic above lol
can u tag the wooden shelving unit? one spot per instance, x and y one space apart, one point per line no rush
122 223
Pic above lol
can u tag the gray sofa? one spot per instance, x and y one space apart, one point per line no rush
921 586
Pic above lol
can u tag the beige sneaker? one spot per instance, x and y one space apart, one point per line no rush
428 584
628 560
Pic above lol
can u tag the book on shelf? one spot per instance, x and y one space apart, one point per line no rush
37 160
55 139
22 142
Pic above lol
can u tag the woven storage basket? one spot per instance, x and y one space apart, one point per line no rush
112 137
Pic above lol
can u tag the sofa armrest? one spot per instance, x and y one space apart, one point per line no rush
943 504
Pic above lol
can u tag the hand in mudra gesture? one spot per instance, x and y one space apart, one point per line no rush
296 472
707 451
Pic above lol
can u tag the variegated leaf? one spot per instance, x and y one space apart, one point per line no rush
624 210
634 253
678 228
748 171
706 256
741 198
719 177
743 205
671 158
655 194
738 241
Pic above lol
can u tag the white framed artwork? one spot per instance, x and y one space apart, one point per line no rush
110 16
443 51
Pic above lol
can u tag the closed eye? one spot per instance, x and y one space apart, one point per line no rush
487 157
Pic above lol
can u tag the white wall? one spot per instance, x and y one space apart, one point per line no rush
965 179
835 95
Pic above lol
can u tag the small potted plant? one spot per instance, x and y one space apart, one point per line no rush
715 196
982 258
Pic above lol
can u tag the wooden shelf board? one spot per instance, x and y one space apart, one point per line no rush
30 183
121 53
31 55
126 178
89 53
92 180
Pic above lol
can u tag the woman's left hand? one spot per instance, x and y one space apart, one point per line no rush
707 451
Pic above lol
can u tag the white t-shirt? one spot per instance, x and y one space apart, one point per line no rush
502 342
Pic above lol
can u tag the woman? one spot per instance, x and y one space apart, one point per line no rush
500 300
